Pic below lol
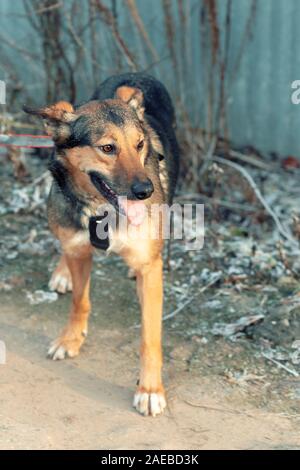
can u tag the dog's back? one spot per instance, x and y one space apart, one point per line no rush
159 113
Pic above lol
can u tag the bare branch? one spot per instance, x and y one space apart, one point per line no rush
170 32
141 28
259 196
109 19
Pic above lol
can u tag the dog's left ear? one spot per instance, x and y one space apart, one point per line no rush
57 119
132 96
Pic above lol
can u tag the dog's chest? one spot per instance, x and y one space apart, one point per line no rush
130 242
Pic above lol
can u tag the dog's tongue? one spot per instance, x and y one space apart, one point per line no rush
135 211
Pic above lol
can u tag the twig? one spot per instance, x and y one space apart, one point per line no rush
259 196
153 64
243 42
79 42
209 154
39 179
188 301
16 46
141 28
48 8
109 19
248 159
170 33
182 306
212 200
221 410
230 204
178 309
281 366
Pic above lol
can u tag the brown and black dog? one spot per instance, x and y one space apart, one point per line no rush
121 143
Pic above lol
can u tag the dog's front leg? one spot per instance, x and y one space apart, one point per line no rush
150 395
72 337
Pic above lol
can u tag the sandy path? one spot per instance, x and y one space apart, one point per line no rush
85 403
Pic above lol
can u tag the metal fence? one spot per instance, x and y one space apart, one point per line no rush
260 39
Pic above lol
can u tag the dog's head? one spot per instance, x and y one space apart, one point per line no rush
103 145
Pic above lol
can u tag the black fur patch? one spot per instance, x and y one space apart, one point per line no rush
112 115
80 134
70 206
156 98
61 176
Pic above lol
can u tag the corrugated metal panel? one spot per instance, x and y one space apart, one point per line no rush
260 109
260 112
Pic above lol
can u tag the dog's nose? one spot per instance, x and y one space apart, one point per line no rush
142 189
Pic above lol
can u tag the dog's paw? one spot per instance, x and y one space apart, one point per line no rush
61 281
67 345
151 403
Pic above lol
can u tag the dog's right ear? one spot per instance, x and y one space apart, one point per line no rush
133 97
57 119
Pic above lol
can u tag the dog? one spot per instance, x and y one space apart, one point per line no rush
119 144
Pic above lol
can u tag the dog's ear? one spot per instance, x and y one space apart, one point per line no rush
57 119
132 96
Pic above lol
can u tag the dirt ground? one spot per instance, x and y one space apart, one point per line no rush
85 403
223 392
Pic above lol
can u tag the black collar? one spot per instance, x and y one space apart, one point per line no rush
100 243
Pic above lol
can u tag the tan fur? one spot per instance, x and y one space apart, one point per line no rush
125 93
133 97
78 258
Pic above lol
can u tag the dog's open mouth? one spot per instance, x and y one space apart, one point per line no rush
135 211
107 192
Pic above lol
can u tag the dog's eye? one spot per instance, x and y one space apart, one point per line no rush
107 148
140 145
